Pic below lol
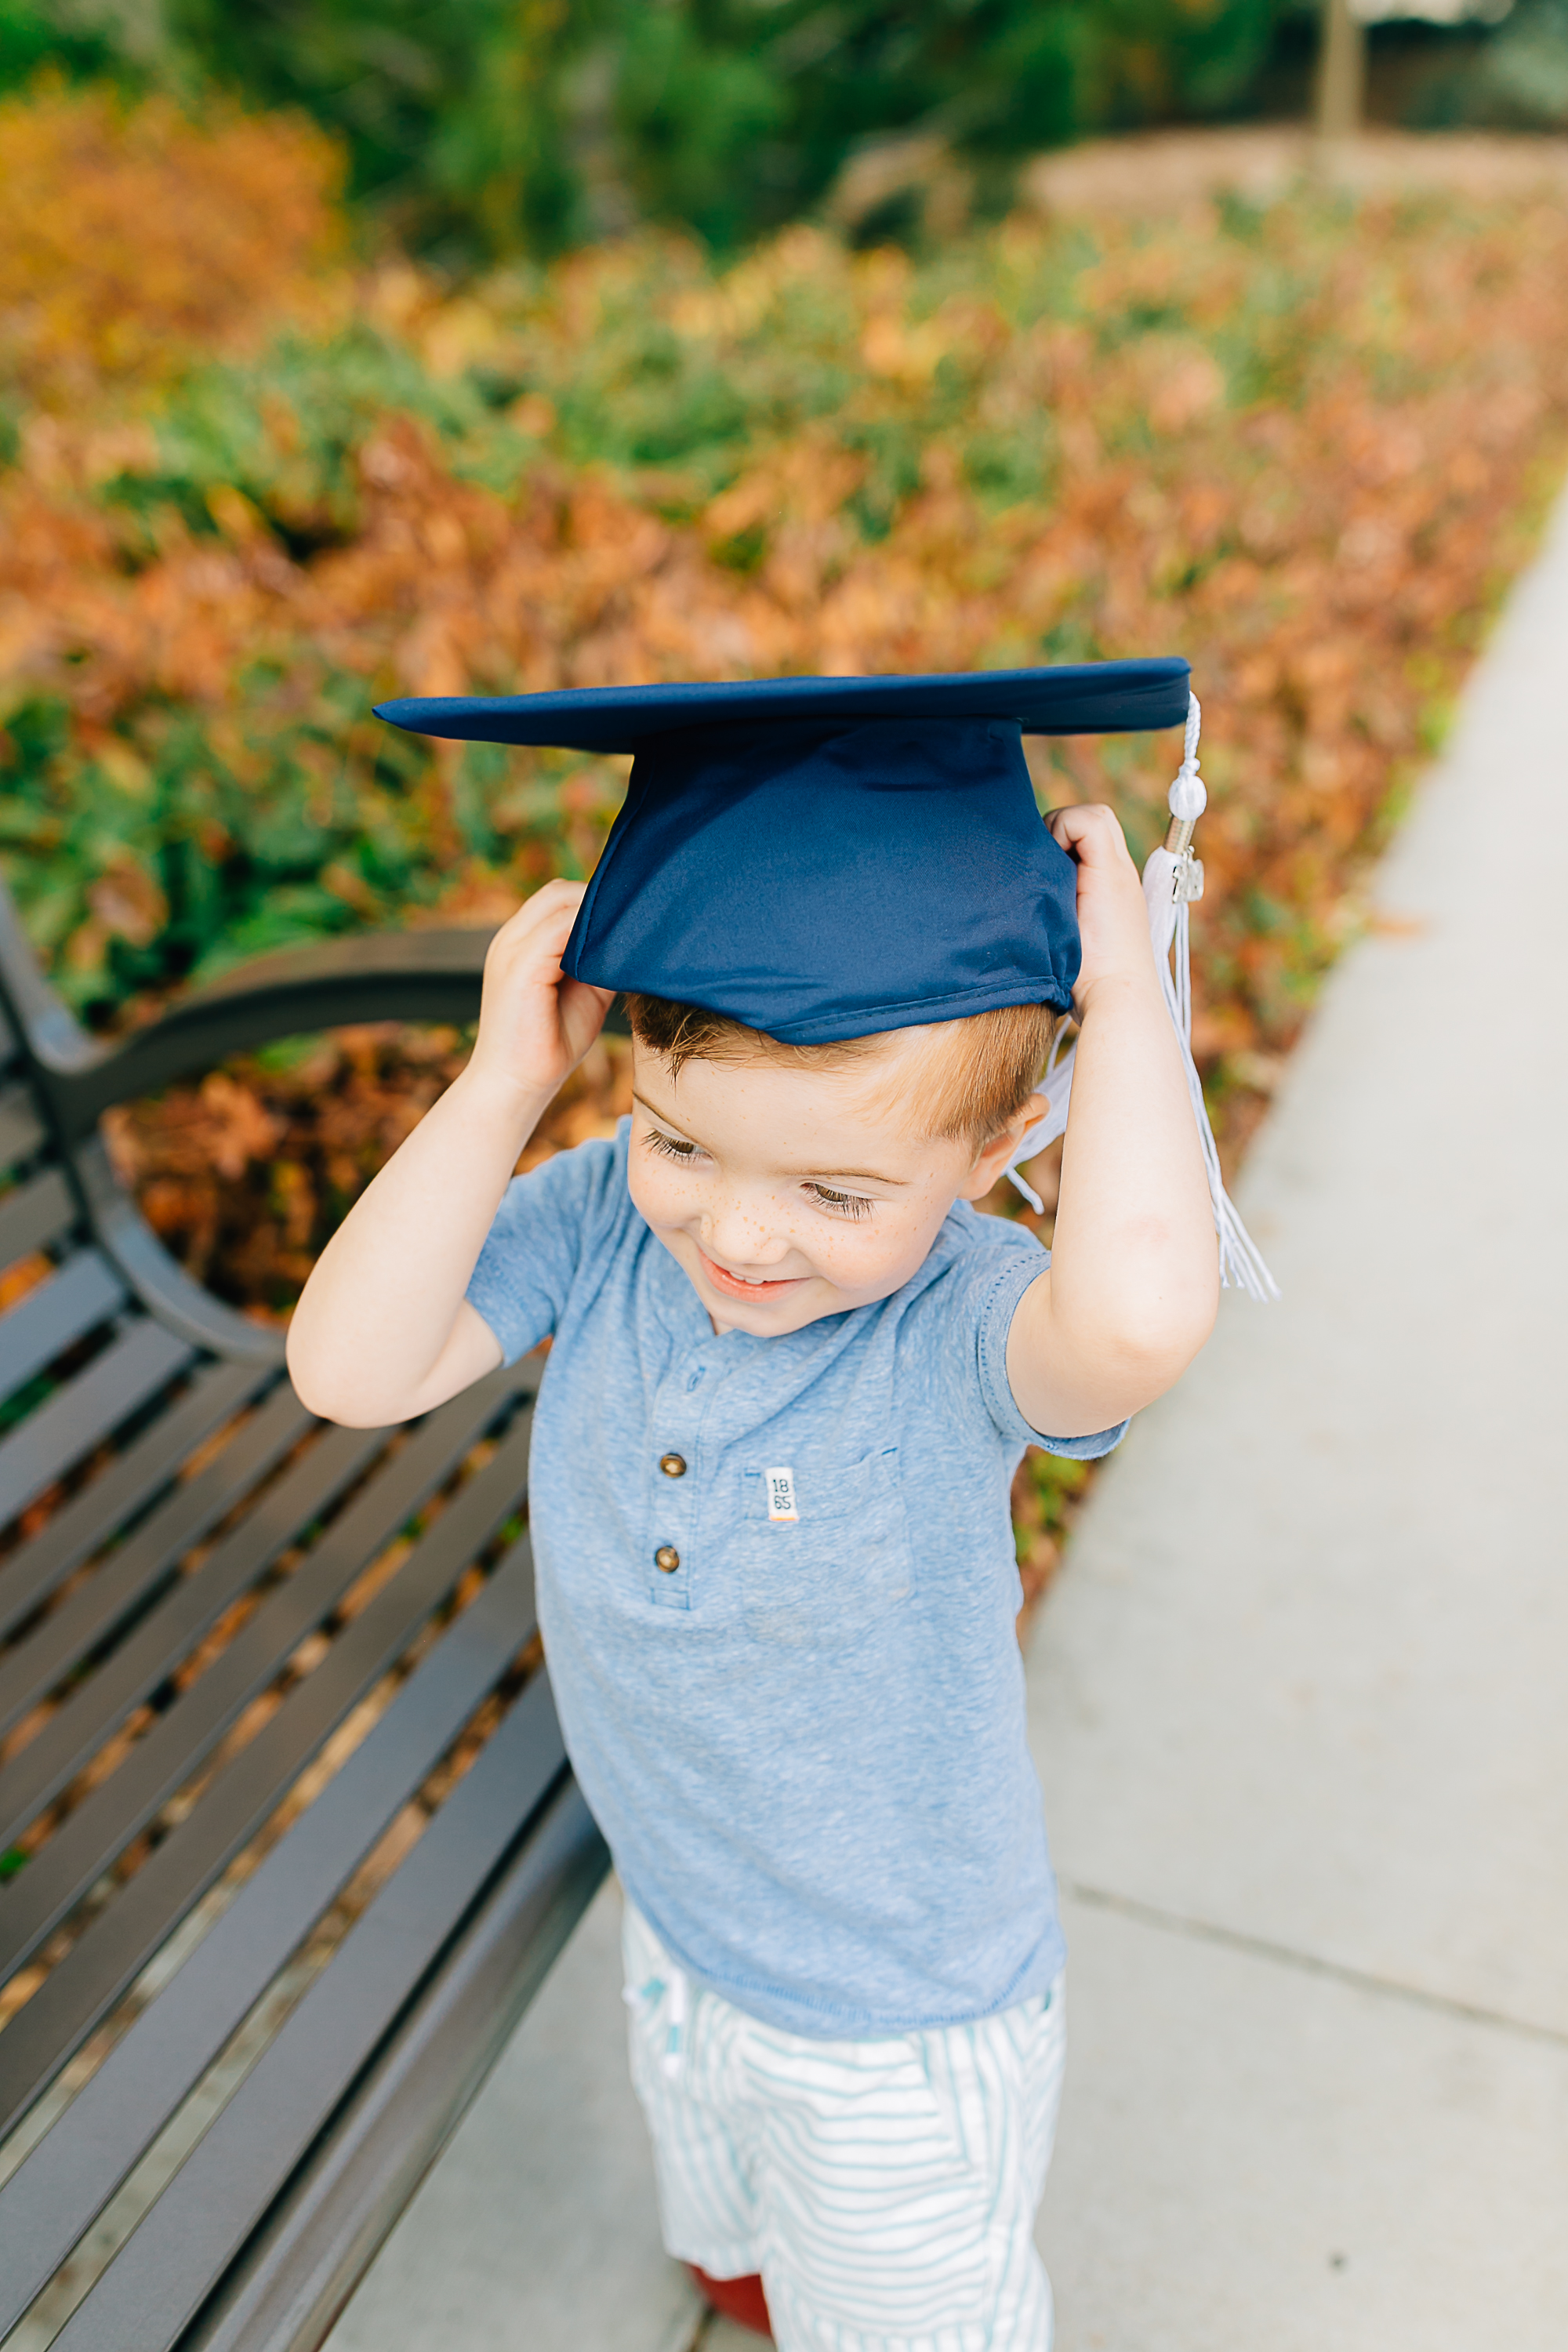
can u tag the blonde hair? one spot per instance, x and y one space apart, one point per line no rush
972 1083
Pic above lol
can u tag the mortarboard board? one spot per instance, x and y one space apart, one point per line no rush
826 857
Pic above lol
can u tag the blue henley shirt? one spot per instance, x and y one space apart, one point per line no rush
804 1743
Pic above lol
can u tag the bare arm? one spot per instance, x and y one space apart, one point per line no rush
384 1330
1133 1284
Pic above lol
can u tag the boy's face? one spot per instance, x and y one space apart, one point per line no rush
788 1194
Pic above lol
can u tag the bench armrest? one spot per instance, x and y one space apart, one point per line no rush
384 976
375 976
416 975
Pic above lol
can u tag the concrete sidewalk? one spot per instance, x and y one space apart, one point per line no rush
1300 1704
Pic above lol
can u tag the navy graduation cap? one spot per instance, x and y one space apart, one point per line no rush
826 857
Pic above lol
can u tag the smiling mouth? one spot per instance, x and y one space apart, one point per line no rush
735 1286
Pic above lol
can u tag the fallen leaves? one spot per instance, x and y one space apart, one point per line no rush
246 1175
1304 442
132 236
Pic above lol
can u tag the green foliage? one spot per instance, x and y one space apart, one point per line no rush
1041 442
483 130
1055 1482
697 117
453 115
1526 71
286 432
31 38
487 128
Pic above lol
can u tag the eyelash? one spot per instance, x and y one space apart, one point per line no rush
669 1146
842 1204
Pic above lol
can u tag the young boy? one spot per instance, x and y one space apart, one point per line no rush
793 1371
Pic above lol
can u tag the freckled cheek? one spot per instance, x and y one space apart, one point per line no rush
851 1254
856 1253
664 1192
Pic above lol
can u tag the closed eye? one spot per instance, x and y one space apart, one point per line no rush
673 1146
839 1204
843 1204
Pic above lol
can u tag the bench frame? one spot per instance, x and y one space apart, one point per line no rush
262 2235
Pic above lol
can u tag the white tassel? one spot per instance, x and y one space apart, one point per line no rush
1173 878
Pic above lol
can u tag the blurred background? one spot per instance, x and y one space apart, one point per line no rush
486 129
360 347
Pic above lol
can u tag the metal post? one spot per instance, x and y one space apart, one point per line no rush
1341 73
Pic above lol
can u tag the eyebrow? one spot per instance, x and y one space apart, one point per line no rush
827 1175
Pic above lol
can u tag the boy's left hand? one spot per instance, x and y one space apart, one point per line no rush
1129 1295
1112 920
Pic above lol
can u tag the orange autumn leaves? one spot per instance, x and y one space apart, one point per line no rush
1302 444
133 237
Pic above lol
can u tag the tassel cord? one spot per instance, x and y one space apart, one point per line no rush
1171 879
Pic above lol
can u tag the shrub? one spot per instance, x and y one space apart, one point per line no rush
1287 442
499 126
131 236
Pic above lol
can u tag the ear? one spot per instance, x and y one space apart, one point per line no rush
994 1159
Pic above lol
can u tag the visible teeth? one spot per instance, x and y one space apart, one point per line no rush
751 1281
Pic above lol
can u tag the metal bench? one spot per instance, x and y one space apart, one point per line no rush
287 1835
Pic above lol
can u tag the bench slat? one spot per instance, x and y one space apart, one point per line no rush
149 1463
137 1668
22 1131
63 2185
34 1902
108 1609
139 1918
41 1326
66 1428
125 1577
162 2276
36 1215
311 2249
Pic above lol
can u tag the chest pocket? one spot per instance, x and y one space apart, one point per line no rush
826 1579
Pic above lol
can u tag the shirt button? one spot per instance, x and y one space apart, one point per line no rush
667 1558
672 1465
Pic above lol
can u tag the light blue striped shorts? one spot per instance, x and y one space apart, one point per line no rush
885 2190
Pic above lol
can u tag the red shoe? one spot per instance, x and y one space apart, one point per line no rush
740 2299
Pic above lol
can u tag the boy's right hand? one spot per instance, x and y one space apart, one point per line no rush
535 1024
383 1330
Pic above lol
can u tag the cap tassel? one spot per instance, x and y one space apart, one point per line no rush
1173 878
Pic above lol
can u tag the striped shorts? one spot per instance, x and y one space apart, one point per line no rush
886 2191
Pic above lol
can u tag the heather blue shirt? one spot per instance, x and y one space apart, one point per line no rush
806 1744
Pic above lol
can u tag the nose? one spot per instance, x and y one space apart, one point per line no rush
737 1233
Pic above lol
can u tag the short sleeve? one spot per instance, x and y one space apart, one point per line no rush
546 1222
998 1304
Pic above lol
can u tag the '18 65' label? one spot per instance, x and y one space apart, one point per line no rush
780 1495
